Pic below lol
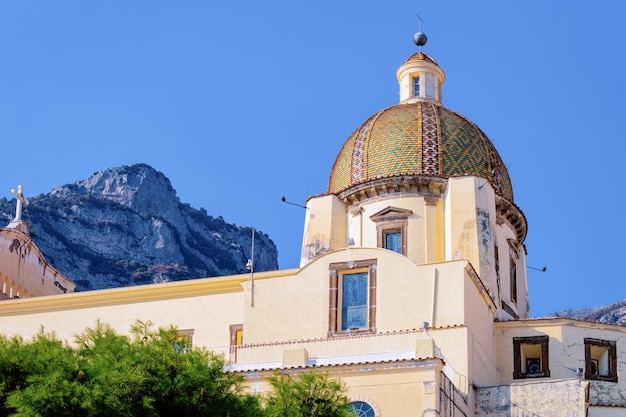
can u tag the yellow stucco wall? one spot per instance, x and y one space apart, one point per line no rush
208 306
297 306
391 389
288 305
324 227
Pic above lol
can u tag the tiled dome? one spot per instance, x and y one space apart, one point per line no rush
420 138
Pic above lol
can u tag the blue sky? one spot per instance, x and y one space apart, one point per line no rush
240 102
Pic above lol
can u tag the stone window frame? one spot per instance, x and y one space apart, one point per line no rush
336 271
611 348
391 219
518 348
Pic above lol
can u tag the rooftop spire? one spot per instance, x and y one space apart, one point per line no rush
420 37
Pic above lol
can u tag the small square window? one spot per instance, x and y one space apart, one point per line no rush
600 360
530 357
392 240
352 297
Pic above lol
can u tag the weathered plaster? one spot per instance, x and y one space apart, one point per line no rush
314 249
607 393
561 398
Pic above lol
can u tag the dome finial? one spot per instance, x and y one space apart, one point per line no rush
420 38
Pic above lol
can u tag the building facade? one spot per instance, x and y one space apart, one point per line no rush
411 287
24 272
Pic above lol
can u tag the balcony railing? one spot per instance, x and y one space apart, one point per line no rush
329 351
338 350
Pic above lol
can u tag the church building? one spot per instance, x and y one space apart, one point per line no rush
24 272
411 287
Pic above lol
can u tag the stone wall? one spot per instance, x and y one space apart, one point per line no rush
561 398
606 394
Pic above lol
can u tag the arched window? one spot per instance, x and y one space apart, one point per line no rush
362 409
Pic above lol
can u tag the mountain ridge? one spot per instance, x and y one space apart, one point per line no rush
611 313
126 226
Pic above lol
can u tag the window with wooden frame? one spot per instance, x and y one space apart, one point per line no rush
352 296
391 228
530 357
600 360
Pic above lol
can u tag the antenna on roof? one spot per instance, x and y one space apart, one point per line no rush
537 269
284 200
420 38
250 267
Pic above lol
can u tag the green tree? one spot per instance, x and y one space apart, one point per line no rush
153 373
312 394
44 363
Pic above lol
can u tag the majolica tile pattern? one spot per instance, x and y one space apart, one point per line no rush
422 138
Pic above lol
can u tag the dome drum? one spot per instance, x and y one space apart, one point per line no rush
431 188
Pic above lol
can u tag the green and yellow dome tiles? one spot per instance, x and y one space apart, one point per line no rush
421 138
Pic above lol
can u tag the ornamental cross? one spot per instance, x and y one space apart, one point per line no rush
420 21
21 200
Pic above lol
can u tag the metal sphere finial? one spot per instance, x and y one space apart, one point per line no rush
420 39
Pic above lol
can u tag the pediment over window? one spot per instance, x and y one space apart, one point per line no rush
391 213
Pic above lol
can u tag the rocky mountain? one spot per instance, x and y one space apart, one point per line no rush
126 226
612 314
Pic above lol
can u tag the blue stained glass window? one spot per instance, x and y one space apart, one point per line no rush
354 301
393 241
362 409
